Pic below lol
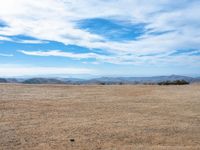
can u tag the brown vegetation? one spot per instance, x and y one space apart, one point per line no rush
126 117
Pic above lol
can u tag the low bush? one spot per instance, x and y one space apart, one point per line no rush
176 82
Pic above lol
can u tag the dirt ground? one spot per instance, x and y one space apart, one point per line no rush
126 117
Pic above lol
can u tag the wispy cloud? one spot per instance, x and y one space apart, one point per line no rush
5 38
135 32
124 58
59 22
6 55
38 71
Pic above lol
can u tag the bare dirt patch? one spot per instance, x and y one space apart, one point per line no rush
99 117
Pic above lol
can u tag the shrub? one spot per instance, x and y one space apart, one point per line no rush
176 82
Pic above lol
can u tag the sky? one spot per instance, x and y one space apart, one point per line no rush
88 38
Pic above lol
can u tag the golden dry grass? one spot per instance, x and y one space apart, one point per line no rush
99 117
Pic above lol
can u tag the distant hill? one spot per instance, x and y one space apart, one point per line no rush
139 80
196 80
43 81
2 80
12 80
102 80
72 80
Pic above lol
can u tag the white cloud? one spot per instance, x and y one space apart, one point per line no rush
4 39
14 71
30 41
63 54
56 20
6 55
79 56
123 58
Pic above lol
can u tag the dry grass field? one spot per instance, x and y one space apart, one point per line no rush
137 117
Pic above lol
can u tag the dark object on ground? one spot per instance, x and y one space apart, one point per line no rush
176 82
72 140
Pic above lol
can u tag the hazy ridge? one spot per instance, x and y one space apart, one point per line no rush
101 80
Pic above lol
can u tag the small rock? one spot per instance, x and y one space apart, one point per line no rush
72 140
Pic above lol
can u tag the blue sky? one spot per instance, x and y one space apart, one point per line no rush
67 38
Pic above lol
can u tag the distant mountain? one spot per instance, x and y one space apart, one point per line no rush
102 80
196 79
43 81
12 80
73 80
139 80
2 80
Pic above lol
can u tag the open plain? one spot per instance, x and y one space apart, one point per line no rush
125 117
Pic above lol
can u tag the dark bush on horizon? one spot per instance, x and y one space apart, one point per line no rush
176 82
